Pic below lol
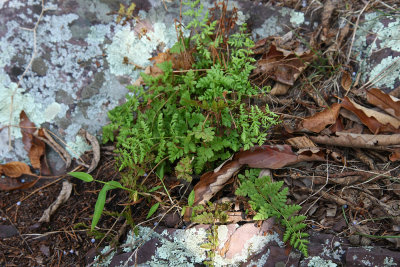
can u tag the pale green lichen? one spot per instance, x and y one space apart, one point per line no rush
78 147
387 71
320 262
388 261
251 247
52 111
222 235
127 46
184 251
366 262
106 260
270 27
296 18
20 102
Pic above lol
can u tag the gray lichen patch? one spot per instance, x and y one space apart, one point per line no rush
377 49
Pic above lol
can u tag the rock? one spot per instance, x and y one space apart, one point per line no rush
39 67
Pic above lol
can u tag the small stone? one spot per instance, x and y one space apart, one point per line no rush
354 239
365 241
39 66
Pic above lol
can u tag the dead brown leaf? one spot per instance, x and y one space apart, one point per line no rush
346 80
15 169
300 142
280 89
96 151
329 6
64 195
320 120
388 103
8 184
371 141
281 68
213 181
395 156
377 122
265 157
12 171
36 148
268 157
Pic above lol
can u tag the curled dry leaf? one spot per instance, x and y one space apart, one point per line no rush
376 122
96 151
380 142
280 89
213 181
8 184
300 142
388 103
44 136
36 148
281 68
265 157
64 195
329 6
346 81
268 157
395 156
320 120
15 169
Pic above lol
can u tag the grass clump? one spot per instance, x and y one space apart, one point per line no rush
187 119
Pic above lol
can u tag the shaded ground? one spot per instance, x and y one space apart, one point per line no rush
324 190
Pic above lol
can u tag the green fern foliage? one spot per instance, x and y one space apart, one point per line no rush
268 199
187 120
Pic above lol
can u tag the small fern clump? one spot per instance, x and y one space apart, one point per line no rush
268 199
189 118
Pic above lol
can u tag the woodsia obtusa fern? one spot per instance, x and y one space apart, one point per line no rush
268 199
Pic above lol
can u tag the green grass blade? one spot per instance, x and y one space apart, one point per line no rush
82 176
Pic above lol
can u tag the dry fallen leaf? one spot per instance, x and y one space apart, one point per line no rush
36 148
15 169
300 142
280 89
329 6
64 195
346 80
43 135
213 181
388 103
12 171
96 151
395 156
281 68
377 122
264 157
320 120
268 157
371 141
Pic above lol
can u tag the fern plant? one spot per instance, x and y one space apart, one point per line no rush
185 120
268 199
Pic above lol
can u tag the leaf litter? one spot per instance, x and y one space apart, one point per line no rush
325 161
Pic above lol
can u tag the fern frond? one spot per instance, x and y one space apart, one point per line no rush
268 199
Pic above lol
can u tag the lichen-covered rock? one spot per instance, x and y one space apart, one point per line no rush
378 50
80 69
